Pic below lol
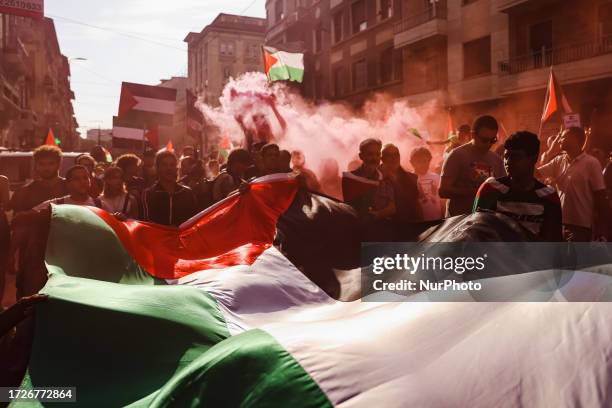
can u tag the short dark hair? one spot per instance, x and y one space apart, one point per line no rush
465 129
48 152
126 160
369 141
85 156
485 122
238 156
420 153
524 141
112 169
74 168
578 132
162 154
270 146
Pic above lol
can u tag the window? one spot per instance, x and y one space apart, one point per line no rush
390 65
360 75
251 51
385 9
338 81
279 11
358 16
318 33
226 49
337 26
477 57
386 65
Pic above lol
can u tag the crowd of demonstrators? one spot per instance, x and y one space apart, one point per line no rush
469 165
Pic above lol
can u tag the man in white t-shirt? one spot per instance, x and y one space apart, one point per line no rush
78 182
429 184
578 178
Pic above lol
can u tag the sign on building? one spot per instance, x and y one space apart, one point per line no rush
24 8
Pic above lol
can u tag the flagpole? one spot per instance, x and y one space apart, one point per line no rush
144 140
263 57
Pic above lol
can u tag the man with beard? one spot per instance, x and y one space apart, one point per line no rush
47 184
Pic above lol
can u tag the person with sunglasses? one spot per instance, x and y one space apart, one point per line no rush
468 166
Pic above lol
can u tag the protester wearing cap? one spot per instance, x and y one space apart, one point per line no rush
579 179
468 166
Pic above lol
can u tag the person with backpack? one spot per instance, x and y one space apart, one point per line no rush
230 179
115 198
78 182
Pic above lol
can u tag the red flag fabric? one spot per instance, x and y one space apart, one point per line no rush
235 231
449 124
50 140
354 186
555 99
169 146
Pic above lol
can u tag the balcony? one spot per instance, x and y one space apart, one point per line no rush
412 29
556 56
503 6
576 62
507 6
16 58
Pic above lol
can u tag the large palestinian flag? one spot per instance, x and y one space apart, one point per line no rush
212 314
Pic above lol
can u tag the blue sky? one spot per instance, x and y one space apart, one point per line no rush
114 55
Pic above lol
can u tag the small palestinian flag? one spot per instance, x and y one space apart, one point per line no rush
283 66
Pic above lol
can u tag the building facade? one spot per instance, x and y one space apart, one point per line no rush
35 76
466 56
227 47
348 46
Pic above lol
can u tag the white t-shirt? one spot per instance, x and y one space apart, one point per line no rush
115 204
576 180
65 200
429 184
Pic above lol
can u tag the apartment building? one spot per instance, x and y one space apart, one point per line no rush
35 93
227 47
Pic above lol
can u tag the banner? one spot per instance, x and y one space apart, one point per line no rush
24 8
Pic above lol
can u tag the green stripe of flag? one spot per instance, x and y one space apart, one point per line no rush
285 72
119 343
82 244
250 370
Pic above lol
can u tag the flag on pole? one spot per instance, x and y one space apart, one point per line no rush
152 135
148 104
555 99
195 118
283 66
450 128
51 140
